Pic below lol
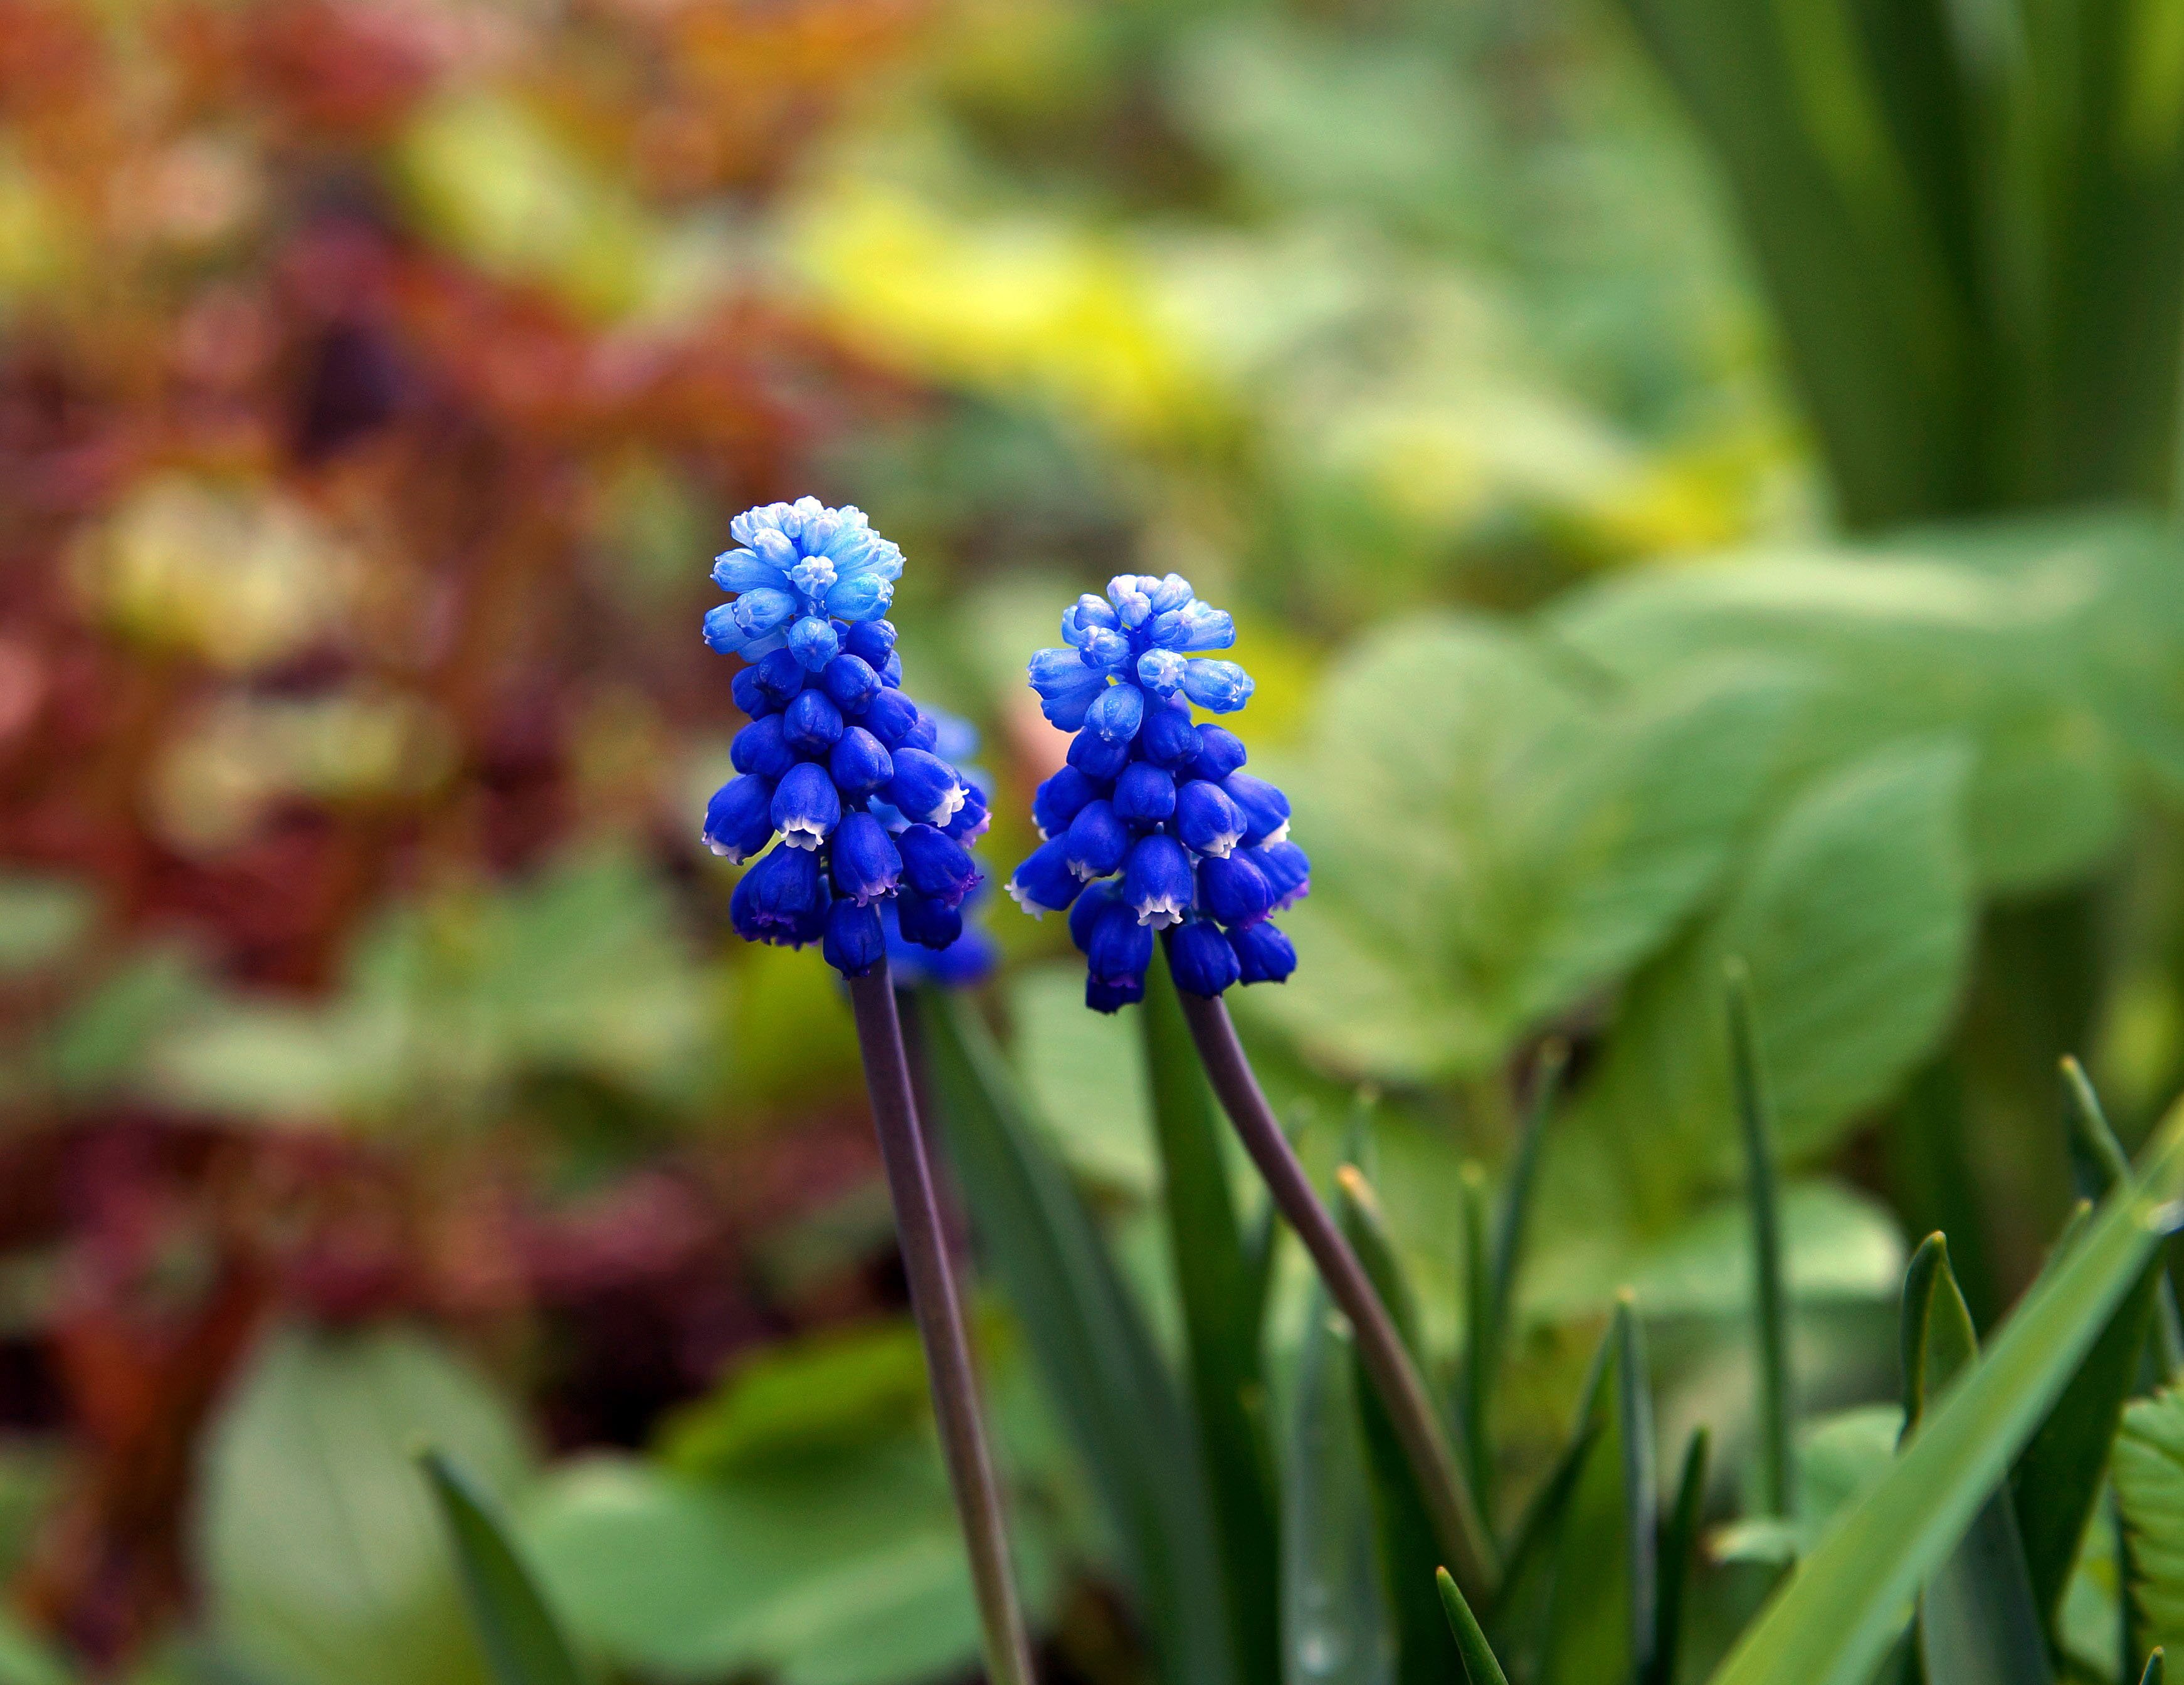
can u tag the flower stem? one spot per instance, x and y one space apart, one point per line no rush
1457 1527
939 1314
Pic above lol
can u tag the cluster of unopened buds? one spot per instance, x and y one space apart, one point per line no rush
836 761
1153 824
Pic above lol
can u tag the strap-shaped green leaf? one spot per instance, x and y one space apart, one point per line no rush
523 1641
1221 1295
1769 1300
1833 1620
1093 1349
1479 1666
1977 1623
1680 1546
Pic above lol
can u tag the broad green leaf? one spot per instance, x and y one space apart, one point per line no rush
1978 1623
1089 1338
1839 1244
1601 1617
844 1571
1836 1617
1923 639
2149 1482
839 1388
1853 916
1084 1074
582 971
1220 1295
1336 1628
1552 837
523 1641
325 1561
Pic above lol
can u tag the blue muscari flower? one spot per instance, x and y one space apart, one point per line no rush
1152 825
875 827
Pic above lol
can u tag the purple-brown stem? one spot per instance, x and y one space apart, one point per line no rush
939 1314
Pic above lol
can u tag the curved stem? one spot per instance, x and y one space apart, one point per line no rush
1456 1524
939 1314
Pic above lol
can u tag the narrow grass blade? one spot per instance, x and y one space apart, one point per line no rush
523 1641
1679 1547
1515 1207
1778 1493
1476 1378
1597 1618
2098 1158
1835 1619
2155 1670
1480 1667
1521 1612
1093 1349
1335 1620
1409 1553
1978 1624
1221 1295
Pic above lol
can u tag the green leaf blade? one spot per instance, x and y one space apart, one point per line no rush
523 1642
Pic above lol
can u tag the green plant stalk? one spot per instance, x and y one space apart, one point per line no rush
1457 1527
1770 1308
934 1303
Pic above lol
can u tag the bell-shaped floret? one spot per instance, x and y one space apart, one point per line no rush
1057 799
1156 881
1232 890
1043 883
925 922
1263 953
1220 686
784 898
1266 808
935 865
806 807
760 750
1096 842
866 865
1144 795
858 764
925 787
1206 820
738 820
1201 958
855 940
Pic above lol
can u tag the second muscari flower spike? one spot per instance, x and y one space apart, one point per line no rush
1153 823
875 826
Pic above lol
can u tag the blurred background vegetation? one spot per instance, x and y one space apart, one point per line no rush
376 380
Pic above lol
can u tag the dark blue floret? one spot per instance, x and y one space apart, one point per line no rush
868 865
759 750
781 900
1232 890
1156 881
1057 801
858 805
739 819
1144 794
1169 738
936 866
859 764
1266 808
926 922
888 715
1263 953
811 725
1220 753
1097 757
1207 820
807 806
855 941
925 788
851 682
872 642
1096 842
1200 845
751 696
1043 883
1204 962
